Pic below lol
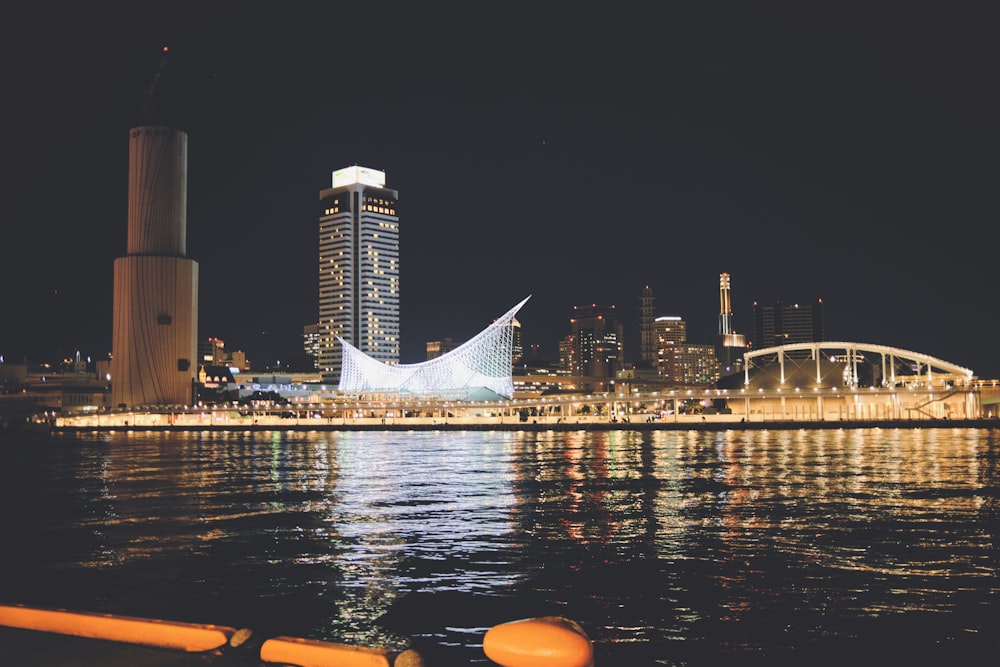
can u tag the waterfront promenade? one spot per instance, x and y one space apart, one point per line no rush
228 421
707 409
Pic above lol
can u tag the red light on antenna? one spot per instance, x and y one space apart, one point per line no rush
165 49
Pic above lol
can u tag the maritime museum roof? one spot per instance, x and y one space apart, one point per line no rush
481 363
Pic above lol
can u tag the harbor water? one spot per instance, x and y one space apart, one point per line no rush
668 547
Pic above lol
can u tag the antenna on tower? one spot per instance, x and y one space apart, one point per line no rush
147 100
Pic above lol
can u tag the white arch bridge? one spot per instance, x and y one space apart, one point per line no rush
842 364
822 376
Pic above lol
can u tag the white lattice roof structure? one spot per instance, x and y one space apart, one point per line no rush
483 361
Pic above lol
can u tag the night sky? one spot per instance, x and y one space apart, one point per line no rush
846 154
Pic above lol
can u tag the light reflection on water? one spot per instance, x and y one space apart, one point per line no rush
668 547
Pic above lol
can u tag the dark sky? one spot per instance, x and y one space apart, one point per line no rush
844 154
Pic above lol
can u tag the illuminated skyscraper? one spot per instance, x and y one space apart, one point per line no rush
517 351
597 341
155 320
782 324
358 269
437 348
669 330
647 335
310 343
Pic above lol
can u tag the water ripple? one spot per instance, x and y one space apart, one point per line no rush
668 547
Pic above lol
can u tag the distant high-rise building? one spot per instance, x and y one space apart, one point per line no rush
647 335
689 365
679 362
783 324
669 330
437 348
731 344
211 352
238 359
567 356
533 353
517 346
310 343
154 340
358 269
597 341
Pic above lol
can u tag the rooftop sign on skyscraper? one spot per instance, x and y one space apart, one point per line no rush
361 175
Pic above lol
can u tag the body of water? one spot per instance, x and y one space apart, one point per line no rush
669 548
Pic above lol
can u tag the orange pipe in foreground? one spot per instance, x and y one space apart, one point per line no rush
150 632
316 653
547 641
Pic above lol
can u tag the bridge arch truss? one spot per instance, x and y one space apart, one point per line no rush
837 363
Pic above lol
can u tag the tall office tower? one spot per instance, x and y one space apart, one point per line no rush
517 346
567 355
358 269
238 359
647 337
212 352
533 353
689 365
439 348
668 331
310 343
155 321
597 341
781 324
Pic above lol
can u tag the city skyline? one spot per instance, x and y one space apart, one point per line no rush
809 155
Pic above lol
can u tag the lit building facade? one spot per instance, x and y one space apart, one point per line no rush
567 356
517 352
689 365
154 337
211 352
238 359
678 362
669 330
784 324
597 341
310 343
647 334
358 269
437 348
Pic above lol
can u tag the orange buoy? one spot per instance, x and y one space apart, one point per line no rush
409 658
150 632
316 653
547 641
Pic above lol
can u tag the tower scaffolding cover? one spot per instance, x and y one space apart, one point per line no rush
484 361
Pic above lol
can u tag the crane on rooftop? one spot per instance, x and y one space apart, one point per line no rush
147 101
